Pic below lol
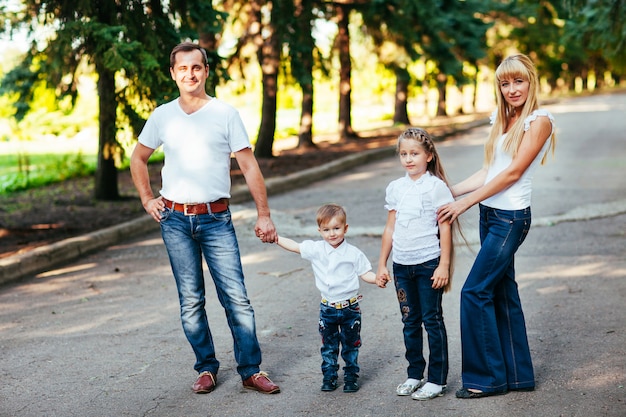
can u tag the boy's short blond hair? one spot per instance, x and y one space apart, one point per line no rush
330 211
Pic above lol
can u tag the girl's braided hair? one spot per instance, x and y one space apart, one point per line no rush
422 137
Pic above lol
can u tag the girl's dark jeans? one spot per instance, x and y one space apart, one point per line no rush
421 304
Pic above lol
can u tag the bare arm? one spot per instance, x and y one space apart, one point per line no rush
470 184
141 179
441 275
370 278
532 143
382 275
264 227
288 244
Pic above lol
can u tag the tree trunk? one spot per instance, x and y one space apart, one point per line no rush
265 140
106 171
345 72
268 55
305 134
441 87
105 187
304 17
584 75
401 114
269 59
476 84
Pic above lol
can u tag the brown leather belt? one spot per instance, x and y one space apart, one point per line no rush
190 209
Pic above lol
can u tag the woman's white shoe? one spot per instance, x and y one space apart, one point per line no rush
409 387
428 392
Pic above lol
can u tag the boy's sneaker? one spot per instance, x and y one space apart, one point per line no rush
329 385
350 386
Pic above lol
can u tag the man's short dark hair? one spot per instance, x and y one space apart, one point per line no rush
187 47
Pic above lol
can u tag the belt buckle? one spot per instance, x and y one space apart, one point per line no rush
185 209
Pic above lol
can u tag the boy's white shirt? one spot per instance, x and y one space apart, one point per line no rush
336 270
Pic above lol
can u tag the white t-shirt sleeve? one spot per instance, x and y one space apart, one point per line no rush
149 135
391 196
362 264
441 194
308 250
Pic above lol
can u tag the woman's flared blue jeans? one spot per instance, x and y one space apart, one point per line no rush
495 351
187 239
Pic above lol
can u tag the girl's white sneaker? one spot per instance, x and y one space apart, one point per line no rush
428 392
409 386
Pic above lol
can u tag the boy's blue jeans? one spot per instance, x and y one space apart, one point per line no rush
496 355
340 326
187 239
420 303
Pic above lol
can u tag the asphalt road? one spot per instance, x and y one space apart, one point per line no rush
101 336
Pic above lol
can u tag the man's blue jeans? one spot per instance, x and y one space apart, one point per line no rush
496 355
340 326
420 303
187 238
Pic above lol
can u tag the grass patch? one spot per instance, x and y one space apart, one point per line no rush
25 171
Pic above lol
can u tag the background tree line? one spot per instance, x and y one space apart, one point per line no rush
293 43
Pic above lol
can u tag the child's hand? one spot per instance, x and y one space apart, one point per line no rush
440 278
382 278
261 237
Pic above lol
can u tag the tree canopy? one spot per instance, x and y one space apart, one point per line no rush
126 45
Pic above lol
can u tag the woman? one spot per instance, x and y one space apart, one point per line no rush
496 355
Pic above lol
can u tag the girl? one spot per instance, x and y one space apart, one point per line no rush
422 260
496 356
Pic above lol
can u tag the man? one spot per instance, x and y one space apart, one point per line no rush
198 134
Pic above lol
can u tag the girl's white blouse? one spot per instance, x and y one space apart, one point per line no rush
415 236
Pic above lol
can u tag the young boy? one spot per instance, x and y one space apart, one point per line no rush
337 267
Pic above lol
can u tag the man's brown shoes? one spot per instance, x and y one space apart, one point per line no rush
258 382
262 383
205 383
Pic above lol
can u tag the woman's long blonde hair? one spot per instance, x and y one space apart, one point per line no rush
515 66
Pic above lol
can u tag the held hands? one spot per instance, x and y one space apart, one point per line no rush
382 277
265 230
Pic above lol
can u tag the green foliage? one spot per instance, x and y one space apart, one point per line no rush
128 42
20 84
447 32
600 25
24 171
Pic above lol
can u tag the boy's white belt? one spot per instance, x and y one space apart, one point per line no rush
343 304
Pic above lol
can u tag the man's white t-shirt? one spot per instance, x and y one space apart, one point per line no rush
197 149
